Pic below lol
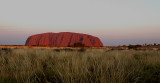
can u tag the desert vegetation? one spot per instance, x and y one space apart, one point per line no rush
79 44
79 66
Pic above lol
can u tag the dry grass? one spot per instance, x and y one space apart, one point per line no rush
76 66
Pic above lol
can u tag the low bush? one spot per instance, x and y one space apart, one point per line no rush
79 44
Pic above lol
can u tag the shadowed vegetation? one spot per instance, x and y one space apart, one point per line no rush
79 44
78 66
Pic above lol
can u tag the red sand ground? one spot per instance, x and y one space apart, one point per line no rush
108 48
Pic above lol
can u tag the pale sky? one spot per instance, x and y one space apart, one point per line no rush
115 22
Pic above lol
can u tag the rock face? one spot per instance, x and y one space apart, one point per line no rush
62 39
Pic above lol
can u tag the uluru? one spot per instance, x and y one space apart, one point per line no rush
63 39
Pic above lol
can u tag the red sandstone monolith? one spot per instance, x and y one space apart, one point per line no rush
63 39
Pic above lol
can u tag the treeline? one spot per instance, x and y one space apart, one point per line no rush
140 45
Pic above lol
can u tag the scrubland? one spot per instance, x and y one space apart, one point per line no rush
79 66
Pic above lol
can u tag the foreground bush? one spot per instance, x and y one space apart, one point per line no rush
92 65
